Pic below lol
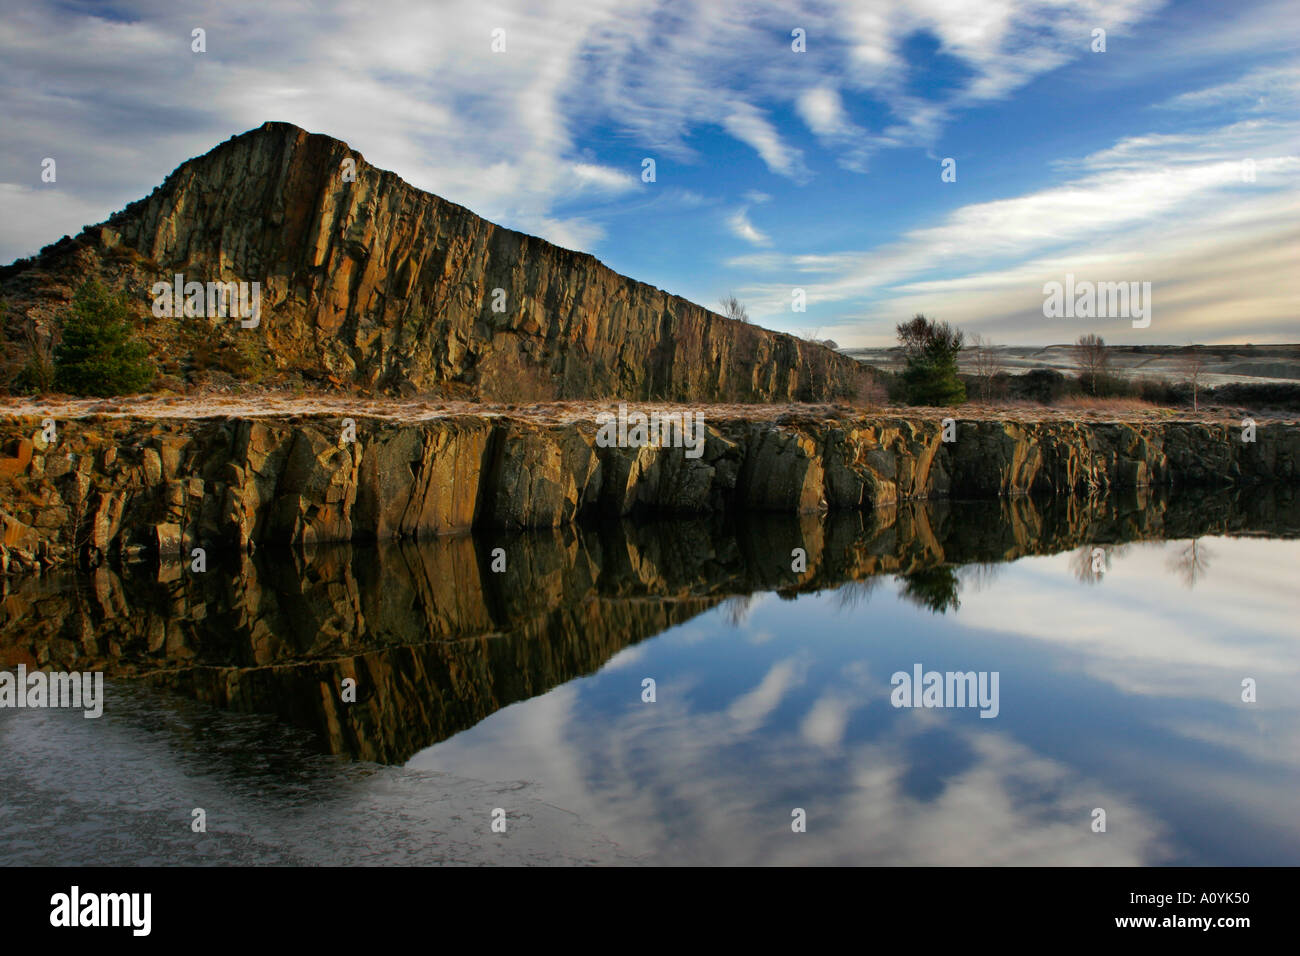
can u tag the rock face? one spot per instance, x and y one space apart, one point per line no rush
116 488
376 285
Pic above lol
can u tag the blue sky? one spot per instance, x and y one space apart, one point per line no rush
775 169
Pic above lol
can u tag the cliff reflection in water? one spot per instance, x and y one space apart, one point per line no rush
437 641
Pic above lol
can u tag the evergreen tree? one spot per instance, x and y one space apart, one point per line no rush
935 589
99 353
931 349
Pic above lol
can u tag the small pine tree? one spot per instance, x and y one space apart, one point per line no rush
935 589
99 353
931 349
934 383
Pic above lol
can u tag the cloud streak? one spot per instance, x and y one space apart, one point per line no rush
116 96
1177 210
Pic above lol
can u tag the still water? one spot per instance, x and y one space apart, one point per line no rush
1120 633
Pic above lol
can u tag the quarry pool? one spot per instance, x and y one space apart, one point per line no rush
1113 684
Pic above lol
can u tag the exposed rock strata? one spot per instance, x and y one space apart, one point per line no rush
378 286
119 488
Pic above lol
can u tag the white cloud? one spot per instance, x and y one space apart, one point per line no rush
417 89
827 720
748 124
738 222
1270 88
576 234
603 178
1171 209
749 710
47 211
822 110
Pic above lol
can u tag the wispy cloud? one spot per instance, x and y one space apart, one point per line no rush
119 97
738 222
1142 209
748 124
823 111
533 137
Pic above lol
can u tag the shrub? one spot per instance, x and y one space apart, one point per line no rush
871 390
1157 390
36 374
250 360
98 353
1042 385
35 377
1106 385
1283 396
931 348
202 345
936 589
928 382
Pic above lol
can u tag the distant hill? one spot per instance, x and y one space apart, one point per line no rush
1224 364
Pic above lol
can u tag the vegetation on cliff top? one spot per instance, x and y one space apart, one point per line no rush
98 353
930 377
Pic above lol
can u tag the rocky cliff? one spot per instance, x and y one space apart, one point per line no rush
119 488
369 283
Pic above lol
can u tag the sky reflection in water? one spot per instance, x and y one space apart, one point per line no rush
1120 690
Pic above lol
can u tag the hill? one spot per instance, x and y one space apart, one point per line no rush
366 283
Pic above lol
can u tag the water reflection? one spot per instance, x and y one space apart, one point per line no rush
436 641
1191 561
772 684
1123 696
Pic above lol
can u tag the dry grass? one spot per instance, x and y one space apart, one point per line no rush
284 405
1114 406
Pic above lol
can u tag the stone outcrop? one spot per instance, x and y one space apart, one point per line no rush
117 488
377 286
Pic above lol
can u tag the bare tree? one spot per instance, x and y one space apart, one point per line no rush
1192 365
914 334
988 364
1191 563
922 337
870 391
817 361
1093 358
814 337
979 576
1092 562
737 608
733 308
37 372
851 594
